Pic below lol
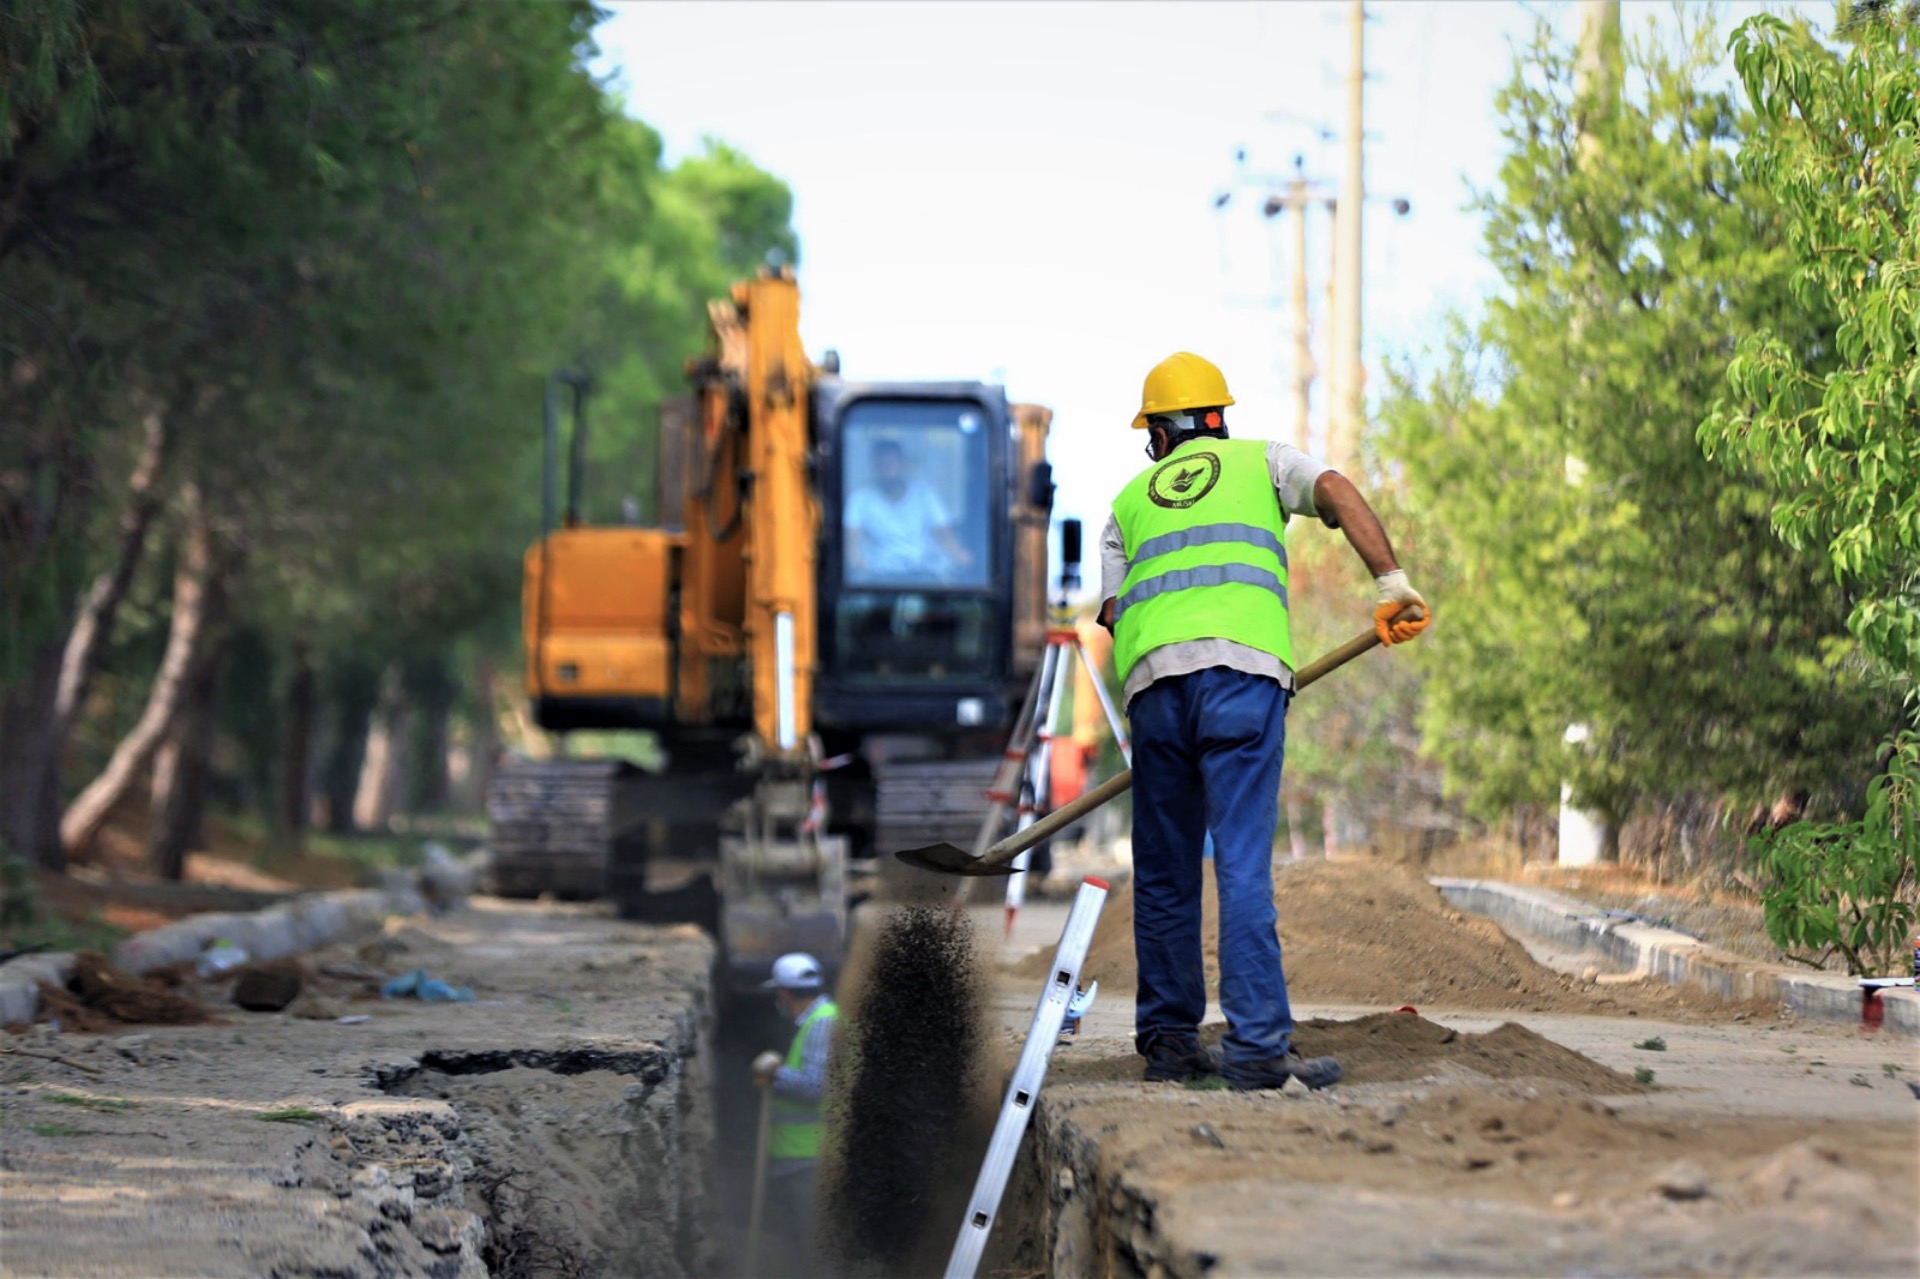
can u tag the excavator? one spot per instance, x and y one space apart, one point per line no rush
827 631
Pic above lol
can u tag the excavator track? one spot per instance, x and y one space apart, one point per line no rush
557 825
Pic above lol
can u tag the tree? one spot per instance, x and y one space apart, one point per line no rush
1603 571
308 261
1836 149
1837 152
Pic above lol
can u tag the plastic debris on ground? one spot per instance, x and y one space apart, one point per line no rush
418 985
222 956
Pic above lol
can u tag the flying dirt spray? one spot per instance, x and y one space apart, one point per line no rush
903 1096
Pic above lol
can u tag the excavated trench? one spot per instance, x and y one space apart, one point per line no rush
576 1161
623 1143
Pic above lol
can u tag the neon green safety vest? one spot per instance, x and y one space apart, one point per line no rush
1206 553
796 1124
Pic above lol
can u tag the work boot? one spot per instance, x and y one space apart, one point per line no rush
1175 1060
1314 1072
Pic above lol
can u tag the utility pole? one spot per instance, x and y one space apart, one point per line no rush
1303 369
1299 198
1584 836
1348 400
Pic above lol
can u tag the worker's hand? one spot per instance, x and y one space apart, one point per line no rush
1401 612
765 1066
1105 617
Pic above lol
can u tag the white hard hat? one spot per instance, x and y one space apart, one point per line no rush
797 971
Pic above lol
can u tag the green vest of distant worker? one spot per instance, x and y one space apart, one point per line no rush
1206 553
796 1124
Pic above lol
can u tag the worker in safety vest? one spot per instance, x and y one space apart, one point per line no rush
1194 586
798 1081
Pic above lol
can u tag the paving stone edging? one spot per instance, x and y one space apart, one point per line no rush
1670 956
304 923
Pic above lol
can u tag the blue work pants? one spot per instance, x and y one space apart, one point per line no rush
1206 757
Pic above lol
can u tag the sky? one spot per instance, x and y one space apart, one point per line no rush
1025 193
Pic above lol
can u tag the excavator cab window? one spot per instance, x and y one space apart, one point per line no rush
918 598
915 509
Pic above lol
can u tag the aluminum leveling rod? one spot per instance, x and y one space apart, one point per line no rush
1017 1110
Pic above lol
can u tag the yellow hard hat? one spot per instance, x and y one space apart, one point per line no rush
1182 381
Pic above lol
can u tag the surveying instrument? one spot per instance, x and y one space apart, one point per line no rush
1024 779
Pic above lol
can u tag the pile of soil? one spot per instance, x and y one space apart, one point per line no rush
99 997
1388 1047
1371 932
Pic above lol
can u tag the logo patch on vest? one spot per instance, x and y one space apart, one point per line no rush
1184 480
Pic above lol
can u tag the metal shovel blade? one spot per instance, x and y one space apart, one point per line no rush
945 859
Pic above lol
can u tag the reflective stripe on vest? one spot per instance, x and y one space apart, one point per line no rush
1207 535
796 1124
1186 579
1206 553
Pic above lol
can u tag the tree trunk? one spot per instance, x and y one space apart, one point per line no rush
353 691
29 782
383 773
482 742
180 774
293 812
195 591
1296 827
430 694
93 628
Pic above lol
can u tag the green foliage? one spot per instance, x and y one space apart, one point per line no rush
1599 570
1643 1075
334 246
27 924
1850 888
1837 151
1654 1045
288 1115
104 1105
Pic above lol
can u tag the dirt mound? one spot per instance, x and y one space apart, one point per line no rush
1372 932
1388 1047
99 997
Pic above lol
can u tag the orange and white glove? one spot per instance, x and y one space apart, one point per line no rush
1398 597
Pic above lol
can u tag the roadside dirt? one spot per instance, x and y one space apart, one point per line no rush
562 1123
1502 1130
1375 933
1385 1047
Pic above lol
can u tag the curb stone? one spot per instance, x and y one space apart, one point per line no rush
1673 957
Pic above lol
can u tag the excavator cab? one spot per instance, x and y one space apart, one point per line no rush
916 561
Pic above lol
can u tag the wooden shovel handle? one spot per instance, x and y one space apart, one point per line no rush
1069 813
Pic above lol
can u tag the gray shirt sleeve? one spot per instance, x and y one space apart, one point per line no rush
1113 560
1294 475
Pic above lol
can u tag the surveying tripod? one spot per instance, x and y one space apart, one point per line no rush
1025 773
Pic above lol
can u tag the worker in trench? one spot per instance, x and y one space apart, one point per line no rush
798 1081
1193 568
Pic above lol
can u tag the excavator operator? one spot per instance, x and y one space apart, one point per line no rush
1194 582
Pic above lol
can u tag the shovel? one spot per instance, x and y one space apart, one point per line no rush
997 860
